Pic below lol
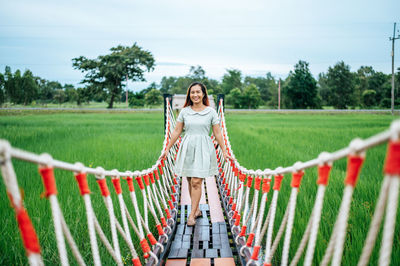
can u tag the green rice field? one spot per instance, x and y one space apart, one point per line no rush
133 140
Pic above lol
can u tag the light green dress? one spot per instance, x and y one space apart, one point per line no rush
196 156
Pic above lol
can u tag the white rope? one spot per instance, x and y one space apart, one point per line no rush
62 251
114 236
375 223
271 223
72 243
289 226
315 225
342 225
92 234
390 221
105 241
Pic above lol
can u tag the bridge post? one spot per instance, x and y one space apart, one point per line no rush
219 97
167 97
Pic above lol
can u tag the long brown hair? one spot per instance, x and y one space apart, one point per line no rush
203 89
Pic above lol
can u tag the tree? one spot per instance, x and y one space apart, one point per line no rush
341 84
235 98
136 99
111 70
231 80
166 84
2 91
197 73
267 86
29 87
251 97
301 91
153 97
368 98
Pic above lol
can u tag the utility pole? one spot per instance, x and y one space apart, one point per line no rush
393 39
279 95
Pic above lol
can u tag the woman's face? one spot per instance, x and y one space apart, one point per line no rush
196 94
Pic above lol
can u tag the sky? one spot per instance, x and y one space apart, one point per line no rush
253 36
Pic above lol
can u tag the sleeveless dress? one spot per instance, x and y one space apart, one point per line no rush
196 156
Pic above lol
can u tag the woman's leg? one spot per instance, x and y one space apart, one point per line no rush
189 180
195 196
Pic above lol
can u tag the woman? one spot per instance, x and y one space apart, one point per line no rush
196 157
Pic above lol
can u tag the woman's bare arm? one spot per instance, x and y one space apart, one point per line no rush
218 136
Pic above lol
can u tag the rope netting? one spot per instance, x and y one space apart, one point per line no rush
159 192
252 224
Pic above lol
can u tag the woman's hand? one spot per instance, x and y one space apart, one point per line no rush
227 156
164 155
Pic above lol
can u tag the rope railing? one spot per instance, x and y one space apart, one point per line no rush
159 190
245 195
253 225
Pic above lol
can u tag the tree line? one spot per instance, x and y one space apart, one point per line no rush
106 79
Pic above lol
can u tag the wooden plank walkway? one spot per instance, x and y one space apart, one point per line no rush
207 243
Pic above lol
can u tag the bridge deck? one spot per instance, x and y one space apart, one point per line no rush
208 242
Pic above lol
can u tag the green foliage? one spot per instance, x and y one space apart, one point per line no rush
369 98
301 90
136 99
153 97
251 98
2 91
232 79
267 86
341 84
109 71
235 98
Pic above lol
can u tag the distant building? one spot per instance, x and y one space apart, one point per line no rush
178 100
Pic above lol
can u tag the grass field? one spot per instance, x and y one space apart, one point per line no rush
133 141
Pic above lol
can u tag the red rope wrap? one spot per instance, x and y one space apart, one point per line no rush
168 213
173 198
242 177
163 222
152 239
237 221
257 183
146 180
277 183
230 200
159 229
171 205
29 237
130 184
49 181
392 164
249 181
243 231
152 178
145 246
156 174
117 185
296 179
160 169
103 187
249 242
266 185
353 169
173 189
256 250
162 163
82 183
136 262
140 182
323 174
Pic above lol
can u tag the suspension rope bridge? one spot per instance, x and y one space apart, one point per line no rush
236 221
